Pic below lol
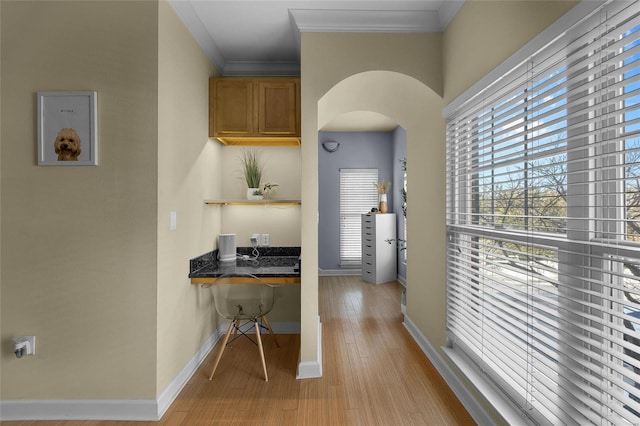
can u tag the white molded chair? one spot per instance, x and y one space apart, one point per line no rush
244 299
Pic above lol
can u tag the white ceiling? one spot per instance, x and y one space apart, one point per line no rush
262 37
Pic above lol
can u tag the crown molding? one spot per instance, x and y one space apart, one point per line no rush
319 20
189 17
448 10
371 21
244 68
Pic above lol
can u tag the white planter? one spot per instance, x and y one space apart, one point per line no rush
251 195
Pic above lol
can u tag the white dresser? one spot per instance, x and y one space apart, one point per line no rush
379 263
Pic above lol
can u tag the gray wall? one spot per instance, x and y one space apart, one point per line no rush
381 150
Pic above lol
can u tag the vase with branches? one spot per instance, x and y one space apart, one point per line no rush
383 189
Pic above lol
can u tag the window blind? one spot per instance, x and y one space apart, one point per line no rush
358 194
543 222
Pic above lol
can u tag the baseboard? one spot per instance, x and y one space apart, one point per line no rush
312 369
278 328
122 410
402 280
339 272
171 392
117 410
351 272
474 408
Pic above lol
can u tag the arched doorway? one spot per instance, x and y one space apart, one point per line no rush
418 109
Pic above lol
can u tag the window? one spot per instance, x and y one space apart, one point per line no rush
543 221
358 194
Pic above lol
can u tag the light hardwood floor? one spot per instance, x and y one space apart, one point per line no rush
373 374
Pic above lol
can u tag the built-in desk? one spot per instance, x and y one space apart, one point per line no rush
274 265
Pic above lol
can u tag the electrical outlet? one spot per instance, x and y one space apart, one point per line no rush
264 240
255 240
25 345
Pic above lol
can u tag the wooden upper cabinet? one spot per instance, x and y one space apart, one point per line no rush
255 111
277 108
233 108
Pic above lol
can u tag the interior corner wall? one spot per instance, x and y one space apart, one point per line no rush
189 167
281 165
483 34
79 243
365 150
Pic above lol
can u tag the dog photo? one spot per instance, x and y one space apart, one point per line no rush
67 128
67 145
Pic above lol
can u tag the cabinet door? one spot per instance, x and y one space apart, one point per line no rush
278 107
233 112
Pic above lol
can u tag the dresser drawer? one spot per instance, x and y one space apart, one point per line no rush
368 220
368 268
368 249
378 256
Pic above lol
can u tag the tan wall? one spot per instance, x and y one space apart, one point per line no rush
328 59
188 173
126 288
79 250
282 223
483 34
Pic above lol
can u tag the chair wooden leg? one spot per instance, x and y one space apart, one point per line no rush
235 330
224 345
264 364
268 324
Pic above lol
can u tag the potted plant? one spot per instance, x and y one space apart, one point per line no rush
252 172
268 189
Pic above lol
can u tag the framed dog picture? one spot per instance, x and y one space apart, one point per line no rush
67 128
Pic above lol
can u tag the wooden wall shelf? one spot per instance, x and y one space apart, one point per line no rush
259 141
240 202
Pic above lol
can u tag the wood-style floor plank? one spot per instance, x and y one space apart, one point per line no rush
373 374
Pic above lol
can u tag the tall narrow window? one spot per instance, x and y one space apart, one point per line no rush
358 194
543 259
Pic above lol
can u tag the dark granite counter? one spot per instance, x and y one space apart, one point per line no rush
275 265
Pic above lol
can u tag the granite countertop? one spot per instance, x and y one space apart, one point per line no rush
280 264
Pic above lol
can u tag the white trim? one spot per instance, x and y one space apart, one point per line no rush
124 409
448 11
192 22
129 410
402 280
370 21
352 272
339 272
312 369
174 388
242 68
474 408
278 328
309 370
508 412
578 13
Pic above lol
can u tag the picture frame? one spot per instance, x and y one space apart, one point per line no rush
67 128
